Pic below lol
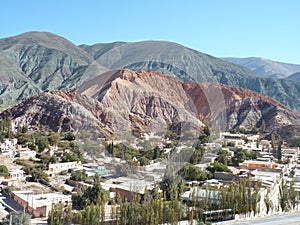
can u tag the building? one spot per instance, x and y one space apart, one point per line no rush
15 174
259 165
267 165
25 153
39 205
235 139
126 187
59 167
8 144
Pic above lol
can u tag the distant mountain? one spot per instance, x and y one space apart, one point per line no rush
187 64
295 77
124 100
266 68
36 61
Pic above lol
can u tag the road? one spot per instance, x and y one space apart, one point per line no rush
286 219
7 201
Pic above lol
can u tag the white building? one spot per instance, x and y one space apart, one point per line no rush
39 205
59 167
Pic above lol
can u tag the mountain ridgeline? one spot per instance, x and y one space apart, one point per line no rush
266 68
187 64
122 101
33 62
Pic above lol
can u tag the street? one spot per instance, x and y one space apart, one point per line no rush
285 219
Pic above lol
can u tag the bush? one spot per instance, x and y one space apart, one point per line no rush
79 175
295 142
218 167
3 171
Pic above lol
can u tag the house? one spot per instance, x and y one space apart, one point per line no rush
8 144
259 165
267 165
39 205
236 139
15 174
126 187
54 168
25 153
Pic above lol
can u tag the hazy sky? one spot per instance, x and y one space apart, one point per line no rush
239 28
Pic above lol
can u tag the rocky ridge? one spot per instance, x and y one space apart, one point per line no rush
124 100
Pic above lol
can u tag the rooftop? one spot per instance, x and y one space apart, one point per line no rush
38 200
129 184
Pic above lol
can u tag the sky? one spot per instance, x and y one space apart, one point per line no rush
222 28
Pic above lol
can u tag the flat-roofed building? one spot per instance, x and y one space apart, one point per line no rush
127 187
39 205
269 166
15 174
236 139
55 168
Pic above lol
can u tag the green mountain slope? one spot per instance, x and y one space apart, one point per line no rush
37 61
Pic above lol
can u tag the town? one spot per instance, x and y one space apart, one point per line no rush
61 178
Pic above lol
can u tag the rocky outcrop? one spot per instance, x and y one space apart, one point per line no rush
124 100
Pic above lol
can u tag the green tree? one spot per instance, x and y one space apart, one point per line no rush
79 175
222 156
170 183
279 150
197 154
239 156
191 172
54 138
37 174
293 194
255 197
218 167
90 215
144 161
24 138
267 200
283 196
17 218
204 137
69 215
3 170
95 194
295 142
42 143
70 157
56 215
24 129
70 136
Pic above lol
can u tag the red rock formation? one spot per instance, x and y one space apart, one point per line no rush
121 100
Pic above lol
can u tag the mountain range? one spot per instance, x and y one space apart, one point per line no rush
123 100
33 62
295 77
266 68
